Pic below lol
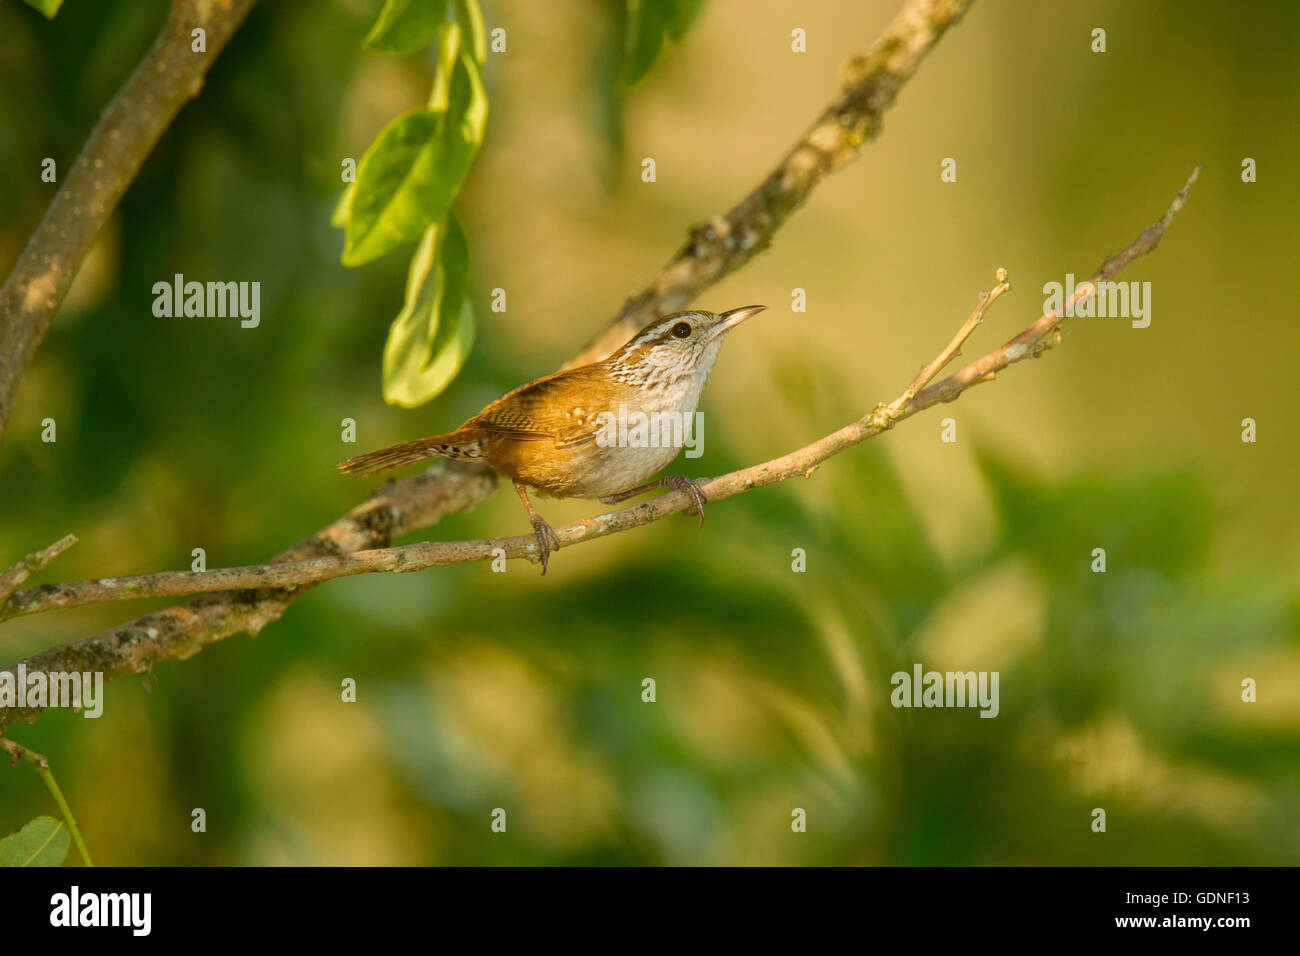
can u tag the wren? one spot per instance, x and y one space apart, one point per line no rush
551 435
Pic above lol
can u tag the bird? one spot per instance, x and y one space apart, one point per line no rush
565 435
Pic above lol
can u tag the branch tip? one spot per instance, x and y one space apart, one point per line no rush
33 563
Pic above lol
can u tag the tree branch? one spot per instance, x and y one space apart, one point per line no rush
918 396
725 243
24 569
170 75
176 633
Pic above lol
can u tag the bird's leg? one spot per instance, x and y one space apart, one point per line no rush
547 539
676 483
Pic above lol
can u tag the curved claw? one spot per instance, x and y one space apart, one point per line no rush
676 483
547 539
692 488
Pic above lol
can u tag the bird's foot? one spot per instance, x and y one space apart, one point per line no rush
676 483
547 539
692 488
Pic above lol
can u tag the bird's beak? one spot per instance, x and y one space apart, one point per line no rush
731 319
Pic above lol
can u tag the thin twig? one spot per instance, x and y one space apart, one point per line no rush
1041 336
927 374
917 397
24 569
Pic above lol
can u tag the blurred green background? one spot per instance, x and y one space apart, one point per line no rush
480 690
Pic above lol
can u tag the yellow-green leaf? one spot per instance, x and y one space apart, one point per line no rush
448 52
44 841
343 208
471 19
47 7
409 176
433 334
405 26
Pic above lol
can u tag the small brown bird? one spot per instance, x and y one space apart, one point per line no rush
567 436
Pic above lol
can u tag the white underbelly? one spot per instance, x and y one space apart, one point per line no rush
614 469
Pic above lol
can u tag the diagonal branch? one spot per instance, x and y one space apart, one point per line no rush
725 243
918 396
168 77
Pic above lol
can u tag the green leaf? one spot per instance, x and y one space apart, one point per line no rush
645 35
44 841
401 184
681 14
453 260
648 23
409 176
448 52
47 7
405 26
343 209
433 334
471 20
469 101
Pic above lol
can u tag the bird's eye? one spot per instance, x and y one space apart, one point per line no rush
682 329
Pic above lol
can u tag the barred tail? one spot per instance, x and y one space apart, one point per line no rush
453 445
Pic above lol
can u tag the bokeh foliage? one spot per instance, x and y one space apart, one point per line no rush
477 690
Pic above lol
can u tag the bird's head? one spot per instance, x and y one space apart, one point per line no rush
678 345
